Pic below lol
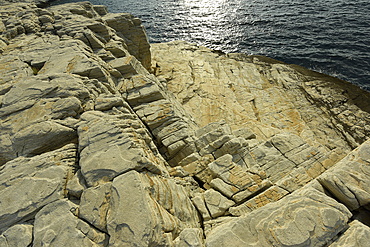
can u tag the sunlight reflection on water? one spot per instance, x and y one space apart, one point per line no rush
331 36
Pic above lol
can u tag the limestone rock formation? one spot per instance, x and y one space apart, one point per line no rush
106 140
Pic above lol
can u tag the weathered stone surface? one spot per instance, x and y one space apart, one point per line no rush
94 205
57 224
42 137
36 181
225 188
216 203
265 95
245 182
111 145
358 235
308 218
107 102
211 143
190 237
139 216
31 111
199 203
17 235
142 89
284 153
130 29
76 185
245 133
349 179
272 194
294 180
128 66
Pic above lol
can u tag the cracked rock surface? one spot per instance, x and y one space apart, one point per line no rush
106 140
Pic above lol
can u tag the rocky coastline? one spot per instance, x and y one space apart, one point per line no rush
107 140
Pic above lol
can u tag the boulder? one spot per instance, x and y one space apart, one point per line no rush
190 237
130 29
304 218
94 205
17 235
57 224
357 235
111 145
36 181
348 180
143 208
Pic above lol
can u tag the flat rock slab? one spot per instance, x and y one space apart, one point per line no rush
349 179
111 145
307 218
28 184
57 224
144 208
358 235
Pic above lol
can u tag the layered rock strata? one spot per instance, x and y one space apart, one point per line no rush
108 142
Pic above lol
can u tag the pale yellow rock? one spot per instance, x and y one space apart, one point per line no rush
263 95
358 235
144 207
35 181
307 218
17 235
272 194
348 180
237 134
190 237
57 224
216 203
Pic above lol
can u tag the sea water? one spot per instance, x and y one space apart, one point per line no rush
331 36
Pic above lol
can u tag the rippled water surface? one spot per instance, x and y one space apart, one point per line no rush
328 36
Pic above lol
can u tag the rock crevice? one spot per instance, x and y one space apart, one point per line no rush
107 140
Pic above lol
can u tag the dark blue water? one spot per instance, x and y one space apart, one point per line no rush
329 36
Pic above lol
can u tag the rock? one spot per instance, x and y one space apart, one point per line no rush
107 102
142 89
178 171
130 29
57 224
357 235
17 235
75 185
272 194
216 203
225 188
42 137
244 182
135 217
31 110
211 149
101 9
199 203
283 153
190 237
128 66
294 180
349 179
94 205
313 220
25 176
111 145
265 93
245 133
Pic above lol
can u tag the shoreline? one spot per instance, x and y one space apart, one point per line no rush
107 140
